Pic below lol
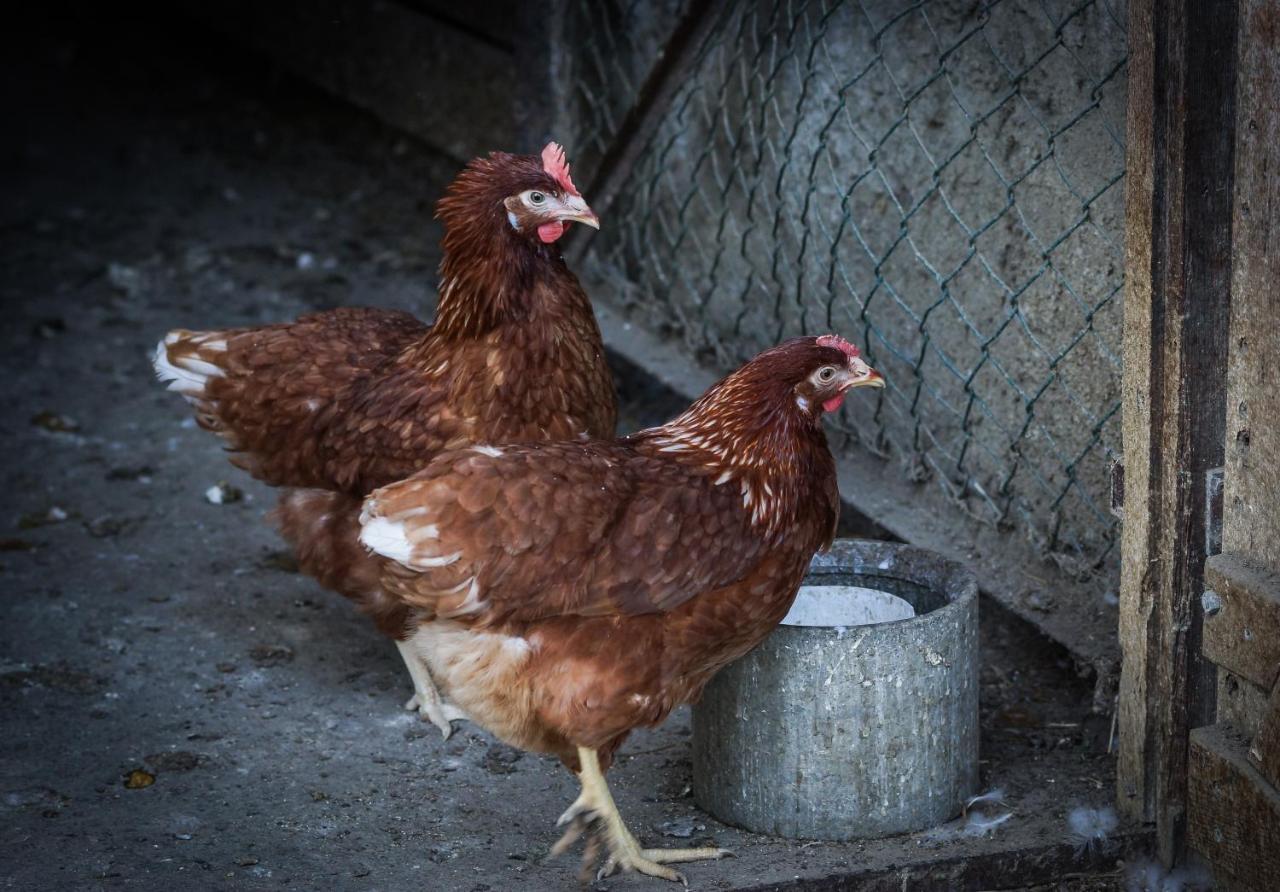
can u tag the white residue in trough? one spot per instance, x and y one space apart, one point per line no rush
841 606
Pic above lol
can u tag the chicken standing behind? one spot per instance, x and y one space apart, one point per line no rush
564 594
340 402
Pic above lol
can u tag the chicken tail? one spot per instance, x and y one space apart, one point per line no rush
188 361
323 527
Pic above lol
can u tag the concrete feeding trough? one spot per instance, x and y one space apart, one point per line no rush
858 716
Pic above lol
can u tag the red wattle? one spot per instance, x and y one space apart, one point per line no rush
549 232
834 403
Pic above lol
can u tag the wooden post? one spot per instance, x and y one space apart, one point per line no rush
1252 510
1181 124
1234 801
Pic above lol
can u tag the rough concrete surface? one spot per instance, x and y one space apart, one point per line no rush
181 709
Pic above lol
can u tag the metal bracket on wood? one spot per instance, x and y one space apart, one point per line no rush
1116 471
1213 489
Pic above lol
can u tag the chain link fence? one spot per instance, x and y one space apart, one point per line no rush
941 181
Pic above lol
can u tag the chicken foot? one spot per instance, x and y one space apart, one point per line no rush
426 698
594 812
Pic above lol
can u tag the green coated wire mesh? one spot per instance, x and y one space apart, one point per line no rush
941 181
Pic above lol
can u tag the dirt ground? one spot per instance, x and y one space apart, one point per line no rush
179 705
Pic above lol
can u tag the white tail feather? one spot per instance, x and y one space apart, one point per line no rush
188 375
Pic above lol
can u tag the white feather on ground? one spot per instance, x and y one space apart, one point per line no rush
1091 828
1149 876
978 824
974 823
991 797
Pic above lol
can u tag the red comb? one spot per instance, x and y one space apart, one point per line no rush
839 343
553 163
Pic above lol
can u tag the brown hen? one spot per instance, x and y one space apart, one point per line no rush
563 594
340 402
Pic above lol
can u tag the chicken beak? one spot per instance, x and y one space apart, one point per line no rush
576 210
868 378
873 379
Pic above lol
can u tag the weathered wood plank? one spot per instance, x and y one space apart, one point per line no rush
1241 703
1243 635
1181 115
1252 522
1234 812
1264 750
1236 827
1138 636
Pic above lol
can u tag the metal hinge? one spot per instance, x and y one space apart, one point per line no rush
1213 501
1117 487
1213 498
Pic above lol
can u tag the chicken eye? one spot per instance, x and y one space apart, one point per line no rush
536 198
826 373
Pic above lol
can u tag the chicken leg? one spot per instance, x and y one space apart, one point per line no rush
426 699
595 805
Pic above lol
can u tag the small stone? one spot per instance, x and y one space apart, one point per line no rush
306 260
501 759
32 521
138 779
129 472
681 828
52 421
222 493
266 655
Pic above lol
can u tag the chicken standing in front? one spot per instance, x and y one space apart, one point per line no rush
564 594
340 402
